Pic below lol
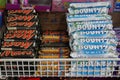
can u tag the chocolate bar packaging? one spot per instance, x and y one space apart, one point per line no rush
48 32
21 12
55 39
6 45
22 24
21 31
20 18
17 54
21 34
54 50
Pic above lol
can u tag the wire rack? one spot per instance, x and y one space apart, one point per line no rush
60 67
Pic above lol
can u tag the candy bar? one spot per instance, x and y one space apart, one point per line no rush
88 17
17 54
72 27
90 4
22 24
93 34
20 12
17 45
97 10
53 50
21 18
21 36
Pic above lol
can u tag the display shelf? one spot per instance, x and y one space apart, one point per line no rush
108 67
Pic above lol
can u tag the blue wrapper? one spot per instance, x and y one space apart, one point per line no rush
94 41
88 17
93 34
90 4
94 54
95 10
77 26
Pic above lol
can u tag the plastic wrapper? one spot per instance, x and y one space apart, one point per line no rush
53 56
93 47
17 54
55 39
21 31
21 34
94 41
89 26
88 17
95 10
54 32
94 54
93 34
20 12
92 4
10 45
22 18
54 50
22 24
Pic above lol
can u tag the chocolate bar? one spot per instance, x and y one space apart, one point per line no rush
54 33
55 39
22 24
54 50
20 12
17 54
21 31
21 18
21 36
9 45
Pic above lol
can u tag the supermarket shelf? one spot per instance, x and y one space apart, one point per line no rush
108 67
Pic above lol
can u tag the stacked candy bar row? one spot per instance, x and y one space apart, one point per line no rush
20 37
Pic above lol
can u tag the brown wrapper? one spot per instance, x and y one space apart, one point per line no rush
54 32
53 50
53 56
55 39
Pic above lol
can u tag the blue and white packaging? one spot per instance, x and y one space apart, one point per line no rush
87 17
95 10
92 48
94 41
93 34
90 4
94 54
72 27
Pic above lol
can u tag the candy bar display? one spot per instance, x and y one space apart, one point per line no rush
54 45
19 39
83 27
91 36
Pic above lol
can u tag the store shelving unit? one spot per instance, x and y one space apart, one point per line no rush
58 67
